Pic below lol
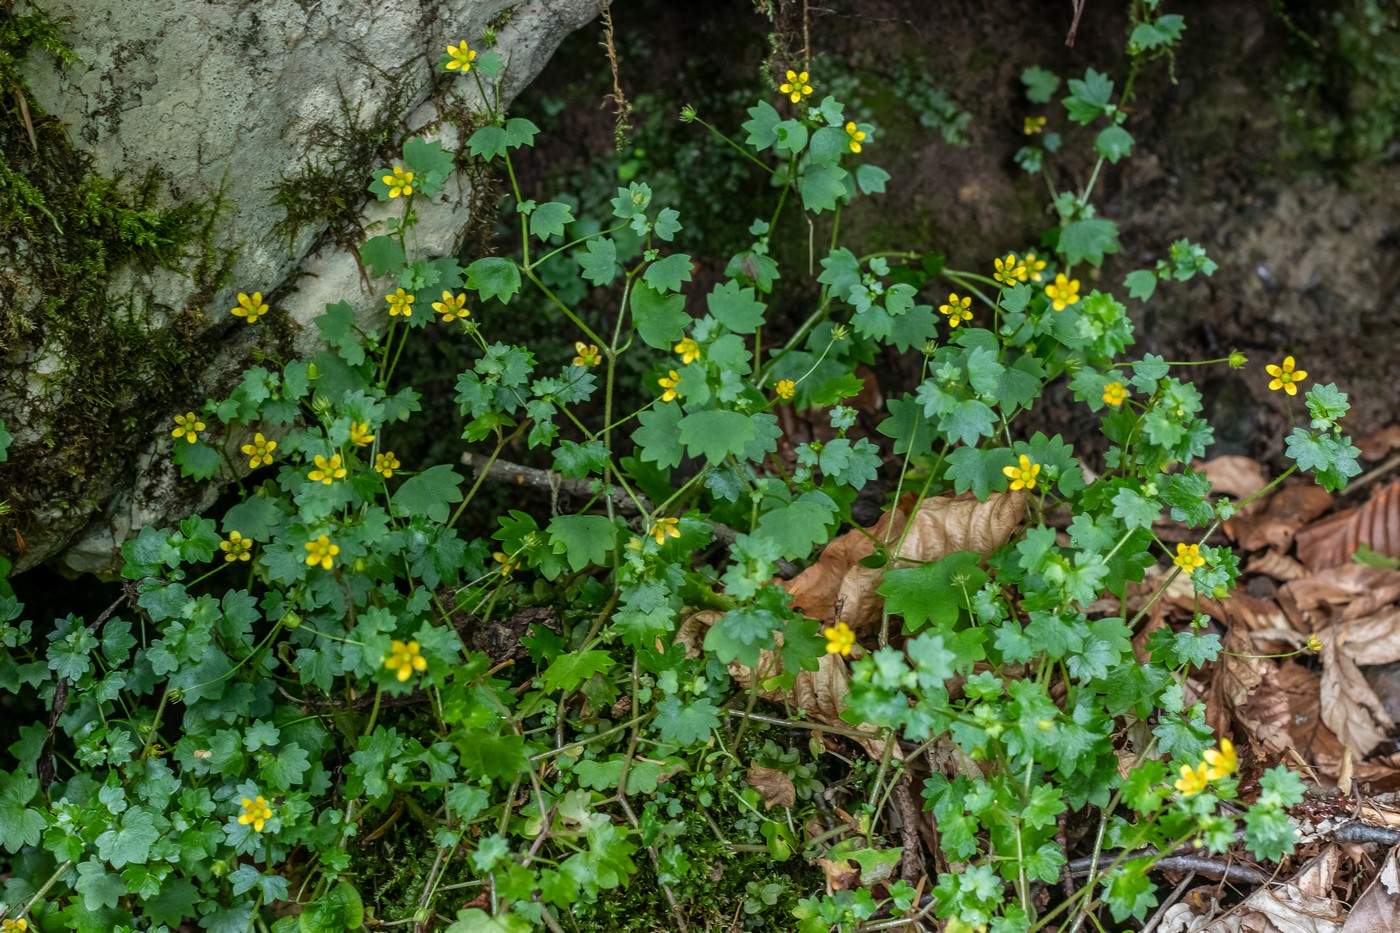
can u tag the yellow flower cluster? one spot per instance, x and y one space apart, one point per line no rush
669 383
840 639
785 388
236 547
260 451
1115 394
1022 476
250 308
462 57
322 552
957 309
452 306
1009 270
1034 126
587 354
359 434
1063 292
1285 376
399 182
665 528
327 471
400 302
1219 763
508 566
405 658
796 86
187 426
256 813
1188 558
855 136
386 463
688 350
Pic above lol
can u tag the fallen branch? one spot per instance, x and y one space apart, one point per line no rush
1211 868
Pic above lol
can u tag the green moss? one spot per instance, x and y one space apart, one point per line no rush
65 231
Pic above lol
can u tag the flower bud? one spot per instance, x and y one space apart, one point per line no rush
291 619
1221 591
687 114
1237 359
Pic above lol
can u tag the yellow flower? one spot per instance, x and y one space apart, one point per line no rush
250 309
14 926
839 639
957 309
452 306
256 812
327 471
187 426
1314 643
796 87
386 463
668 382
1023 476
1063 292
1115 394
400 302
508 566
1188 558
1285 377
1034 266
321 552
235 547
856 137
359 434
1223 762
688 349
260 451
588 354
665 528
1009 270
1192 780
1034 125
785 388
399 182
404 659
462 57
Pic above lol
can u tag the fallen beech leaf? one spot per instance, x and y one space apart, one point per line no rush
1378 444
1378 908
837 586
1266 714
774 786
1375 523
1350 708
1237 477
1287 511
1302 905
1279 566
1350 591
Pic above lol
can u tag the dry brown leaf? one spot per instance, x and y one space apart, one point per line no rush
1337 594
1350 708
1279 566
1302 905
1378 444
1266 715
1333 540
1287 511
1378 908
773 785
1237 676
837 586
839 874
1237 477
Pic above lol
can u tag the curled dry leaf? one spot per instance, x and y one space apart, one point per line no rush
1237 477
1333 540
1275 526
1339 594
1302 905
1279 566
773 785
1237 677
837 586
1266 714
1378 908
1378 444
1350 708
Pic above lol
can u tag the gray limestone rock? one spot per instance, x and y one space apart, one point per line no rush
232 96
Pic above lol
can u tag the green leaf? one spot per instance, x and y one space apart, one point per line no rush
1268 833
488 143
382 255
585 540
716 434
1128 891
1141 284
430 163
599 261
666 275
567 671
661 319
978 470
1281 788
1114 143
20 826
659 435
821 187
1165 30
1040 84
6 438
1134 509
735 307
429 493
685 724
549 219
340 911
968 420
520 132
741 634
494 277
472 920
197 461
935 593
1188 495
790 136
1089 97
337 327
1082 240
871 179
761 126
799 526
